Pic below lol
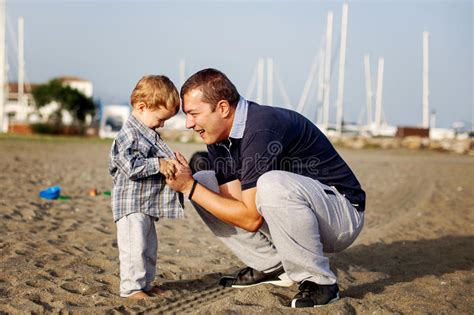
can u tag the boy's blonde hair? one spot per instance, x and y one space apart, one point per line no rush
155 91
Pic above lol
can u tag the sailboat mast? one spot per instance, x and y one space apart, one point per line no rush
269 81
327 71
342 63
378 96
368 89
21 62
426 91
260 78
3 77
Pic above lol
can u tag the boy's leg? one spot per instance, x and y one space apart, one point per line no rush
254 249
132 237
306 217
150 255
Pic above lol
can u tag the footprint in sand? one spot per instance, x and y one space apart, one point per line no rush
53 273
70 253
73 227
37 300
75 287
39 264
103 230
42 206
55 242
95 290
32 283
32 245
22 253
95 269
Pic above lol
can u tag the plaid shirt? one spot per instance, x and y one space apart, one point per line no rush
135 169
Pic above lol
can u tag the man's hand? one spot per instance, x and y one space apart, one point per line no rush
231 205
182 180
167 168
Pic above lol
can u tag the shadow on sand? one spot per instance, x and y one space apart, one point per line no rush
204 281
404 261
401 261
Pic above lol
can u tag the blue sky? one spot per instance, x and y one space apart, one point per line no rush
114 43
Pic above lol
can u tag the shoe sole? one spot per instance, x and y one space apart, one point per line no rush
293 302
278 283
284 281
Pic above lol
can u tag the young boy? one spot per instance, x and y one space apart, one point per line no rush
140 195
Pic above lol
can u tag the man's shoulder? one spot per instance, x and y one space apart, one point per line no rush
260 109
271 118
266 114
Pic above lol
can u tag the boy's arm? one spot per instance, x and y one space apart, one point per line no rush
132 162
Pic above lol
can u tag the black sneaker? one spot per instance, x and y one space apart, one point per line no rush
249 277
313 295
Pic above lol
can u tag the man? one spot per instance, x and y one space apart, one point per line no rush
279 194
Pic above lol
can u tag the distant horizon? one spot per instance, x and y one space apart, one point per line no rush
122 41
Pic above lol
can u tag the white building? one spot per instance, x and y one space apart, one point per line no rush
16 111
83 86
26 112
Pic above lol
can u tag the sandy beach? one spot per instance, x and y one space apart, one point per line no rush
415 254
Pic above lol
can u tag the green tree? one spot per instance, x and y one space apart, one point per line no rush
69 99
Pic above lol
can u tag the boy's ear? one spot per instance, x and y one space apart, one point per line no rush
223 107
141 106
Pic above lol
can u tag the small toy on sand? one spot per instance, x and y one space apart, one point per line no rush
51 193
93 192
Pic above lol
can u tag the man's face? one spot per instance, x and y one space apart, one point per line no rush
211 125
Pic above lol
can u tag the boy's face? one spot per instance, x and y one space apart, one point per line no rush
154 118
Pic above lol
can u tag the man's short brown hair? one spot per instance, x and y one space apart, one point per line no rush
155 91
214 85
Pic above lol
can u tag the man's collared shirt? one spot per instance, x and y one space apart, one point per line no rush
267 138
135 168
240 119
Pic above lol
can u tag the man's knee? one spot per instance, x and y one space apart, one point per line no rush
272 186
207 179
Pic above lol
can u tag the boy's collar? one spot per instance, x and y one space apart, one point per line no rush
149 133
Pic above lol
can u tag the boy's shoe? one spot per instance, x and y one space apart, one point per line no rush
313 295
249 277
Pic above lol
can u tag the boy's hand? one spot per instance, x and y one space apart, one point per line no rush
167 169
183 178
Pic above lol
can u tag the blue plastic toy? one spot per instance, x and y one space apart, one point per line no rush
51 193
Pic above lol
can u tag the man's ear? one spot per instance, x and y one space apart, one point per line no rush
224 108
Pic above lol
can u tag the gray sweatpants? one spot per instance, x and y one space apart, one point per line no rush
137 244
301 221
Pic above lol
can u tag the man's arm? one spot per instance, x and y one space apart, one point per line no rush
225 206
232 205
